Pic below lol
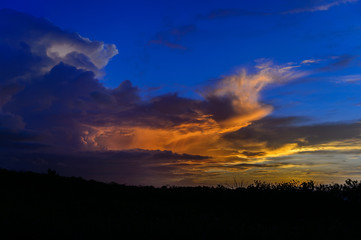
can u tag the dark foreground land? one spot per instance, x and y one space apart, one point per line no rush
37 206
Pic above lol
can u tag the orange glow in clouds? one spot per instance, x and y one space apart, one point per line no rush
202 137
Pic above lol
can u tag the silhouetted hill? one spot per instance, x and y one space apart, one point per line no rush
36 206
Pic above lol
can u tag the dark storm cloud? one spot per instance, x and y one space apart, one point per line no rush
220 107
11 122
57 103
169 155
245 166
47 81
16 61
49 88
132 167
168 110
277 132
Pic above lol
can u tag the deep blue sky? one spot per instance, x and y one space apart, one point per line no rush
187 47
218 37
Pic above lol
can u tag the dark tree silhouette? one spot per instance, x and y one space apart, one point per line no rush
35 206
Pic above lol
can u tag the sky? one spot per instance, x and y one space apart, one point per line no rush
182 92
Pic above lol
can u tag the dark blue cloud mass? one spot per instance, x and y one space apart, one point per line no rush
52 102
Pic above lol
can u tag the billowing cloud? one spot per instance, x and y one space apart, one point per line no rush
238 96
36 45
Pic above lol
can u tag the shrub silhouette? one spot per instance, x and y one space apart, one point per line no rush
51 172
36 206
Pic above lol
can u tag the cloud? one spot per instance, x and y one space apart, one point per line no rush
128 167
231 12
245 166
311 61
284 136
315 6
171 122
237 96
62 102
172 36
329 64
339 62
319 7
353 78
35 46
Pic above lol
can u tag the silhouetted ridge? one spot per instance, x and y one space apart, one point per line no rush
35 206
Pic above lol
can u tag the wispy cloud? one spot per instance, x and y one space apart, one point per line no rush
335 63
311 61
172 36
231 12
353 78
318 7
223 13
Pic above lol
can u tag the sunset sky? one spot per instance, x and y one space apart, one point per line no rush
182 92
